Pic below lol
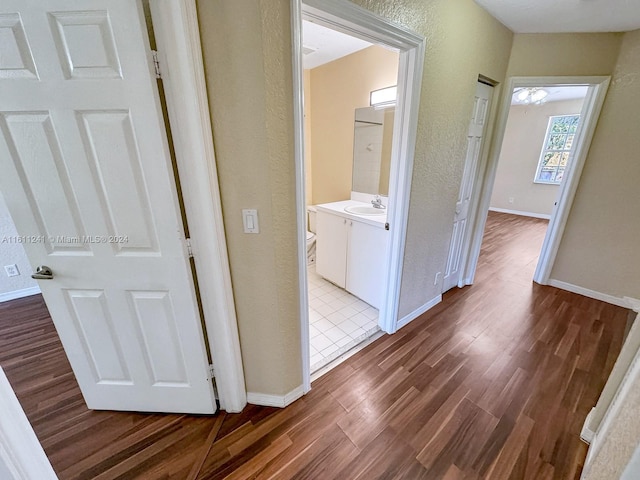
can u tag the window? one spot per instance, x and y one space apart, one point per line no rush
556 149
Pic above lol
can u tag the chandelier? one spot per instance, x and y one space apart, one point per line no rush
530 95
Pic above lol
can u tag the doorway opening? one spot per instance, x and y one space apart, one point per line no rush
558 116
348 138
347 18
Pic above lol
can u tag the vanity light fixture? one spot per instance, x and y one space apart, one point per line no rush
384 97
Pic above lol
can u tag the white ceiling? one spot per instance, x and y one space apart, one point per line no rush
555 16
322 45
558 94
327 45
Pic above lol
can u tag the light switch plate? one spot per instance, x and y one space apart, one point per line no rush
250 221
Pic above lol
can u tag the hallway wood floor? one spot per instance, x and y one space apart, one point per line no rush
494 383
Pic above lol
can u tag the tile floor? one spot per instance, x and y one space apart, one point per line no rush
339 321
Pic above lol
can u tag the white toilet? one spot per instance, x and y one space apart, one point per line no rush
311 235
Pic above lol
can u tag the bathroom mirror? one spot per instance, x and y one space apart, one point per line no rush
373 131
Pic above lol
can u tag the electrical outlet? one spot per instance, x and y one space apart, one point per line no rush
12 270
435 281
511 199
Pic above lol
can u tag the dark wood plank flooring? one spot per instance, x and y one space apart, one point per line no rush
494 383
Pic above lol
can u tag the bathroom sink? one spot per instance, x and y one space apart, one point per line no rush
364 210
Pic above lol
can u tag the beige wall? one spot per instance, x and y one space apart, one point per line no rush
247 54
519 156
308 166
336 90
599 249
462 42
564 54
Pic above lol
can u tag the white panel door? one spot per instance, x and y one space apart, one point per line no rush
474 149
87 176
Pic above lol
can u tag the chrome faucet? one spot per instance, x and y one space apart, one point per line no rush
377 202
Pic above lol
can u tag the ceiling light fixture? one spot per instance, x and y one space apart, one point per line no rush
530 95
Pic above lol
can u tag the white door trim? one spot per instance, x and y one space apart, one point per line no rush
301 213
590 113
177 34
349 18
21 454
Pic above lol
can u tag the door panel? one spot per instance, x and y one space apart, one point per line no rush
87 177
331 247
474 149
365 261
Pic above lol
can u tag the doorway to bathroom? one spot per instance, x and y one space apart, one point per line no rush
348 136
356 116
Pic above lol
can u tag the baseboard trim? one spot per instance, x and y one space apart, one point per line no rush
281 401
586 434
604 297
522 214
632 303
25 292
419 311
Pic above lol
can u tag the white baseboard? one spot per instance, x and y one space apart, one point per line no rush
604 297
586 434
267 400
419 311
25 292
522 214
632 303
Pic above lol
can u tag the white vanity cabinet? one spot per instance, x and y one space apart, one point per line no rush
351 254
331 247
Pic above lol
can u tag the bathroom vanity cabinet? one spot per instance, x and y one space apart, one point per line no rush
350 252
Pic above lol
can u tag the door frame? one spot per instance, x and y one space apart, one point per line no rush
21 454
175 24
598 86
353 20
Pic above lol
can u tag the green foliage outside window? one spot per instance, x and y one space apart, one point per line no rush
557 147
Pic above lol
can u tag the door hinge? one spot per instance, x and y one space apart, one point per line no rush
212 372
187 242
156 63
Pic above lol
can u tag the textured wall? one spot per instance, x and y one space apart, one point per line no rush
617 448
462 42
519 156
564 54
599 249
337 89
247 54
11 253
